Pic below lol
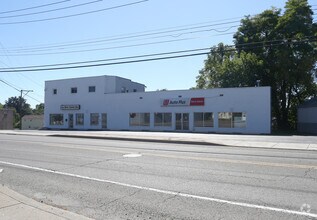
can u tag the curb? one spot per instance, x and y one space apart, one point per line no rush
141 140
175 142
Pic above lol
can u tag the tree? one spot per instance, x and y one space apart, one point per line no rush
20 106
277 49
39 109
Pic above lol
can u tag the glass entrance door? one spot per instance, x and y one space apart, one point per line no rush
182 121
104 120
70 121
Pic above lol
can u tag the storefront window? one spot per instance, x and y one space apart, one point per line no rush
239 119
79 119
139 119
232 119
56 119
94 118
163 119
203 119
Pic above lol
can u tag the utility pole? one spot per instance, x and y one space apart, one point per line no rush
22 96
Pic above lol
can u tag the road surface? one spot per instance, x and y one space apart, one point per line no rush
104 179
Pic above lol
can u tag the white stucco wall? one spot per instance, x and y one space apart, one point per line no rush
32 122
254 101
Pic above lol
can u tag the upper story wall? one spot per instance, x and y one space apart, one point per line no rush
86 87
114 84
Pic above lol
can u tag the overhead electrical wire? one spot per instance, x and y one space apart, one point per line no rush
254 44
74 15
128 35
19 90
107 48
9 84
34 7
111 59
34 51
2 46
108 64
136 36
51 10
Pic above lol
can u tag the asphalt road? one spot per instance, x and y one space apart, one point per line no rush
105 179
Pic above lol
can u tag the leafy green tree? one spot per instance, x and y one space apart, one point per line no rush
39 109
277 49
20 106
1 106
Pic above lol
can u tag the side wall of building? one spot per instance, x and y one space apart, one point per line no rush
32 122
6 119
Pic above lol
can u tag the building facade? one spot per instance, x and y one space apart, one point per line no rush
6 119
114 103
32 122
307 117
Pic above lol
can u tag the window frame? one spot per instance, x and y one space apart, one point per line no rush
91 89
73 90
80 121
56 122
163 122
94 122
233 122
204 123
137 119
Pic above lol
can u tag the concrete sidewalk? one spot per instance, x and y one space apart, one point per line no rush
294 142
14 206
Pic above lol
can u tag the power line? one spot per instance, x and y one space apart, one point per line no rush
19 90
111 59
74 15
240 46
34 7
106 48
108 64
133 37
52 10
9 85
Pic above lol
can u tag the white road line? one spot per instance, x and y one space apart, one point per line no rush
1 170
242 204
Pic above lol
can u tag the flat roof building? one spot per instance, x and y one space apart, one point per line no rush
6 119
115 103
307 117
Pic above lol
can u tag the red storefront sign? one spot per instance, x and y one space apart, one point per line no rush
197 101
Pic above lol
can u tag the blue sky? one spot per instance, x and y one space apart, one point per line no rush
200 24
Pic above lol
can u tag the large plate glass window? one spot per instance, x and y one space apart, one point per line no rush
94 118
239 119
79 119
139 119
232 119
56 119
203 119
163 119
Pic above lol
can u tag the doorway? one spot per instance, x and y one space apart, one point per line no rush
104 120
70 121
182 121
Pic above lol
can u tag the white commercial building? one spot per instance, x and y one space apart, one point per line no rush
114 103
